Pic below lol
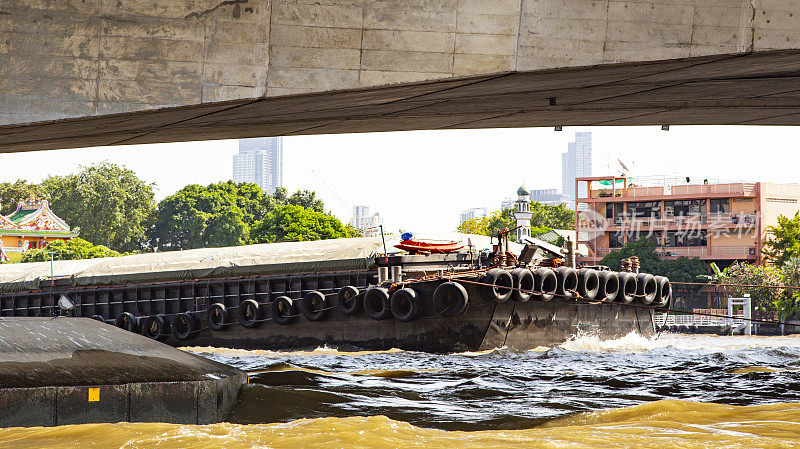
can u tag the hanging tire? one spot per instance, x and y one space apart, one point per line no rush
127 321
248 314
500 284
545 283
376 303
282 310
627 288
183 325
99 318
567 279
664 295
314 306
523 284
217 317
588 283
646 288
154 327
348 300
404 305
450 299
609 286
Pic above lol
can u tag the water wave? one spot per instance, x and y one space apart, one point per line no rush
661 424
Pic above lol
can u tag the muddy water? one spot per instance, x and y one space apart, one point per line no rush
689 391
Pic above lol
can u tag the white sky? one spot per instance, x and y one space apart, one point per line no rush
421 180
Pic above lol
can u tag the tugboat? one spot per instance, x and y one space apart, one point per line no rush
469 294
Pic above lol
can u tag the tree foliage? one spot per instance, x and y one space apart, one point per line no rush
109 203
12 193
682 269
544 218
783 243
291 223
69 250
231 214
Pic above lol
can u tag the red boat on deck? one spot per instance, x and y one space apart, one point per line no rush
414 246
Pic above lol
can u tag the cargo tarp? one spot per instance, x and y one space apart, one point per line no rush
262 260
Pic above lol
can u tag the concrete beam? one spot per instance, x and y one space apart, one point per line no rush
92 58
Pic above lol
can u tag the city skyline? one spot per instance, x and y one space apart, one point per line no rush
346 170
260 161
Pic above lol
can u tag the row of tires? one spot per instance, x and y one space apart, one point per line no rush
543 284
406 305
449 299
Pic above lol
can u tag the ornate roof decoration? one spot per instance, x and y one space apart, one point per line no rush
34 214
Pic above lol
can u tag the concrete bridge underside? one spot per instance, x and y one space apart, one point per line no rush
76 73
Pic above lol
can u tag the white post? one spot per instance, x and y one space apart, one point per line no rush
748 330
730 314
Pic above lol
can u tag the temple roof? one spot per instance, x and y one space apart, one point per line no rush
34 216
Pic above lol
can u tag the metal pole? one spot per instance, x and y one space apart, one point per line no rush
385 253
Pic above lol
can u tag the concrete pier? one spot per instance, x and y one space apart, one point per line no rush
58 371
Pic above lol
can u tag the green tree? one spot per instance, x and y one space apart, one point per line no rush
644 249
198 217
12 193
231 214
69 250
109 203
544 217
291 223
552 216
783 243
743 273
682 269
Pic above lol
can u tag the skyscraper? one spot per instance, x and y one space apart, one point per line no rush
260 161
366 222
576 163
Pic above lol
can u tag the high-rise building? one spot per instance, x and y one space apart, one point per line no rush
547 196
366 222
576 163
260 161
471 214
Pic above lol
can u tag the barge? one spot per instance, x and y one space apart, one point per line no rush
344 293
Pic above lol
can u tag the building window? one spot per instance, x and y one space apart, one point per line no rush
686 238
616 240
685 208
720 206
613 210
644 209
652 235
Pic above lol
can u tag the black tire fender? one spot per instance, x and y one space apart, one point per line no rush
249 313
664 295
314 306
646 288
217 317
348 300
450 299
404 304
567 282
609 286
588 283
154 327
127 321
183 325
545 283
500 286
376 303
627 288
282 310
523 284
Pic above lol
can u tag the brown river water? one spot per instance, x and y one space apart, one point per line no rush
669 391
